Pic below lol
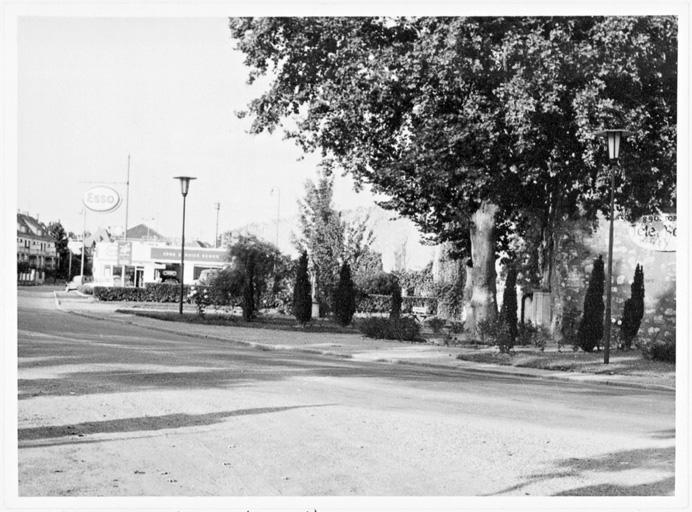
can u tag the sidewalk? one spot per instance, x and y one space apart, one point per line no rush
352 346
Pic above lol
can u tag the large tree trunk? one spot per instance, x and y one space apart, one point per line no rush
483 298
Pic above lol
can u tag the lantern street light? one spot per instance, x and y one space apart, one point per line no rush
216 233
184 187
614 137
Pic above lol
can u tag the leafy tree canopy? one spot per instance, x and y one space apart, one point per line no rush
441 114
329 240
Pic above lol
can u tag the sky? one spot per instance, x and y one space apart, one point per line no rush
165 91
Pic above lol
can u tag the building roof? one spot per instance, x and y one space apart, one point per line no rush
100 235
143 232
31 227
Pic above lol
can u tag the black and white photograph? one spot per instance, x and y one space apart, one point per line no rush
347 257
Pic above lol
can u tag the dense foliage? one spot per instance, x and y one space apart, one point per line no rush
382 304
329 240
591 326
385 283
454 116
660 349
59 235
416 282
256 267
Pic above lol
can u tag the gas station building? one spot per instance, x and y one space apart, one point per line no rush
135 263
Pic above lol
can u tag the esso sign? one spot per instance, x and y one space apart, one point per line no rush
101 199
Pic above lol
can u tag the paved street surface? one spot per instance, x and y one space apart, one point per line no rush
108 409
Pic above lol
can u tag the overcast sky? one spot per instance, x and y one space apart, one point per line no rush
93 90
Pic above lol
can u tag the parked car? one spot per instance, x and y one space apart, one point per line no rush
207 276
168 276
78 281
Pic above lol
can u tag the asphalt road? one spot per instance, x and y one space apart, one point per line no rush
107 409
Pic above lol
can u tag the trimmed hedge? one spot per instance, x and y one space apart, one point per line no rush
373 303
152 292
402 329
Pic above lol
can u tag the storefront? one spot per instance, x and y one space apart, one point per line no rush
136 263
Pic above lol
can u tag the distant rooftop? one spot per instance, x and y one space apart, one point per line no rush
144 232
28 225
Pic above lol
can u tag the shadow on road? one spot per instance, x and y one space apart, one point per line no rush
146 423
664 434
652 459
664 487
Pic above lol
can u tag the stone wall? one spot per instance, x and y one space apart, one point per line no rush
649 242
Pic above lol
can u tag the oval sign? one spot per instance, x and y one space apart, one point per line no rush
101 199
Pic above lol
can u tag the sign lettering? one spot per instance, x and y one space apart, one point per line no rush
101 199
172 254
656 232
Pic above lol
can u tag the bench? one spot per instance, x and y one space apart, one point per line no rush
419 310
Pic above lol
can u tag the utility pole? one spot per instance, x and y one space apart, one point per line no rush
127 194
216 234
83 244
278 211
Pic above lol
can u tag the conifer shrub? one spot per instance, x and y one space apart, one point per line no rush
508 313
345 297
248 304
436 324
591 326
634 309
395 312
302 292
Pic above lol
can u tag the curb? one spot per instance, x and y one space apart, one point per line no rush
251 344
480 371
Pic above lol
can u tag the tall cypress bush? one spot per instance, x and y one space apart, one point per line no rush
634 309
591 326
508 313
345 296
302 292
395 312
249 289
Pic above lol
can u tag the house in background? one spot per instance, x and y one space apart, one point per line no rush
36 252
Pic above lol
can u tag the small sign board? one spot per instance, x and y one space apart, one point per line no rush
101 199
124 253
657 232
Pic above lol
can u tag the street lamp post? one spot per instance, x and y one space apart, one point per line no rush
614 137
216 233
184 187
